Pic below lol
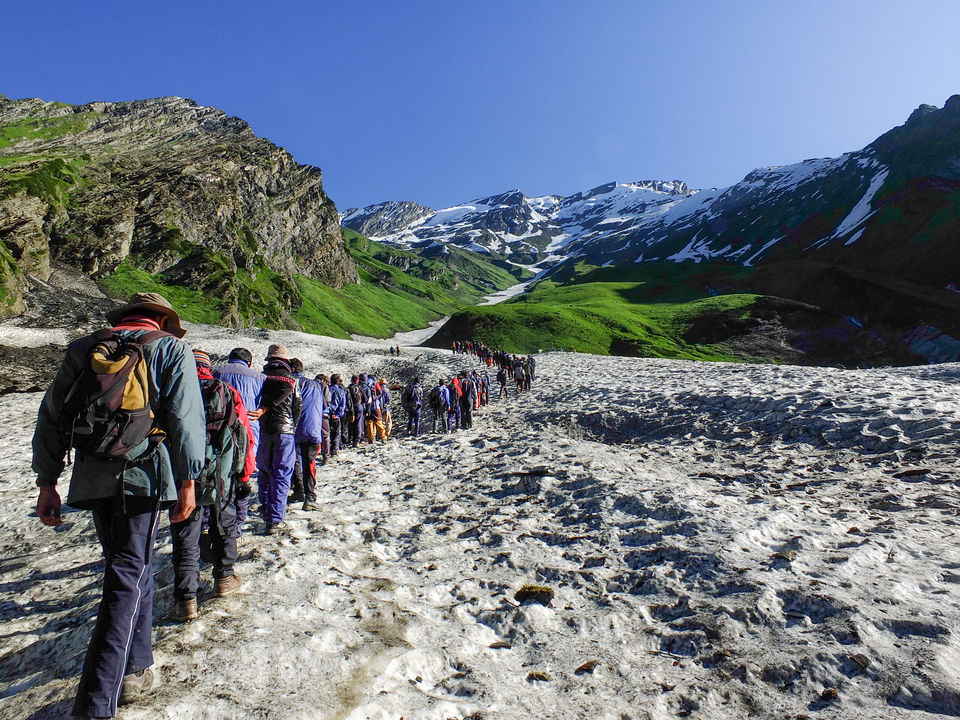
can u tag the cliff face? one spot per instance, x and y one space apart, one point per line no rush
181 191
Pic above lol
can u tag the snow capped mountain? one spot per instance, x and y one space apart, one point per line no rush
859 210
511 225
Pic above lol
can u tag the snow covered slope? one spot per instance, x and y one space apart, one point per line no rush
722 541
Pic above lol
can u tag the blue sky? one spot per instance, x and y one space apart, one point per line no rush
443 102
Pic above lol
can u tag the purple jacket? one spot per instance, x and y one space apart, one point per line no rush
310 426
244 379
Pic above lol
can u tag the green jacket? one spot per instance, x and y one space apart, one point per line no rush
178 411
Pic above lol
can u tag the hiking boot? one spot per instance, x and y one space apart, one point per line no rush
185 609
311 505
295 498
271 529
135 685
227 585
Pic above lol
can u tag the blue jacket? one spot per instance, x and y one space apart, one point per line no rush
177 406
246 381
338 400
310 425
385 398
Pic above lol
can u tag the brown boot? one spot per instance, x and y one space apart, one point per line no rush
222 587
136 684
185 610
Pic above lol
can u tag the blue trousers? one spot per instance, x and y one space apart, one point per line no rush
121 642
275 459
413 422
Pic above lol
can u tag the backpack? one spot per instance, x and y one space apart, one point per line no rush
110 401
356 398
411 398
226 442
436 402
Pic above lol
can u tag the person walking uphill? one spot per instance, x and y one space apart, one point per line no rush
279 413
238 374
412 401
125 478
228 464
309 437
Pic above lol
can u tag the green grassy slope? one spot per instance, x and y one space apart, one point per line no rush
398 291
596 317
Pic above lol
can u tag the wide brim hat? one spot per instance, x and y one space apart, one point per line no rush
278 352
153 302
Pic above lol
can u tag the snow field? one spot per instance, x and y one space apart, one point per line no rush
722 540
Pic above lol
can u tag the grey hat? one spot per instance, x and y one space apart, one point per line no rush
154 302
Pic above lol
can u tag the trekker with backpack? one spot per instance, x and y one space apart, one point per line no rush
518 375
228 463
453 418
308 438
412 400
238 374
385 399
279 413
468 398
338 409
357 403
440 405
140 377
375 426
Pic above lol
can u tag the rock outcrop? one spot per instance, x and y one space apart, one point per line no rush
164 185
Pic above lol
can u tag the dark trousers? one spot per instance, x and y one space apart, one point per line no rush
325 435
305 470
243 505
440 419
413 422
454 416
186 547
121 642
466 414
356 429
335 431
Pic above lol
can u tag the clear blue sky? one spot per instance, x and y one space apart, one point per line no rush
442 102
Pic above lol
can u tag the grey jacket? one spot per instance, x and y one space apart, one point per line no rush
178 410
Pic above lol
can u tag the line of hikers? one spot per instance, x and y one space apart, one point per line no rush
157 427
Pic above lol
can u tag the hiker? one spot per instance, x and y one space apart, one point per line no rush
229 461
412 401
518 375
485 388
468 397
533 367
325 422
279 413
308 437
440 405
127 483
502 379
338 410
238 374
375 427
356 408
391 351
453 417
475 379
385 399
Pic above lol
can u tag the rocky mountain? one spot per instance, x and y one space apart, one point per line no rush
182 192
513 226
890 208
384 218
